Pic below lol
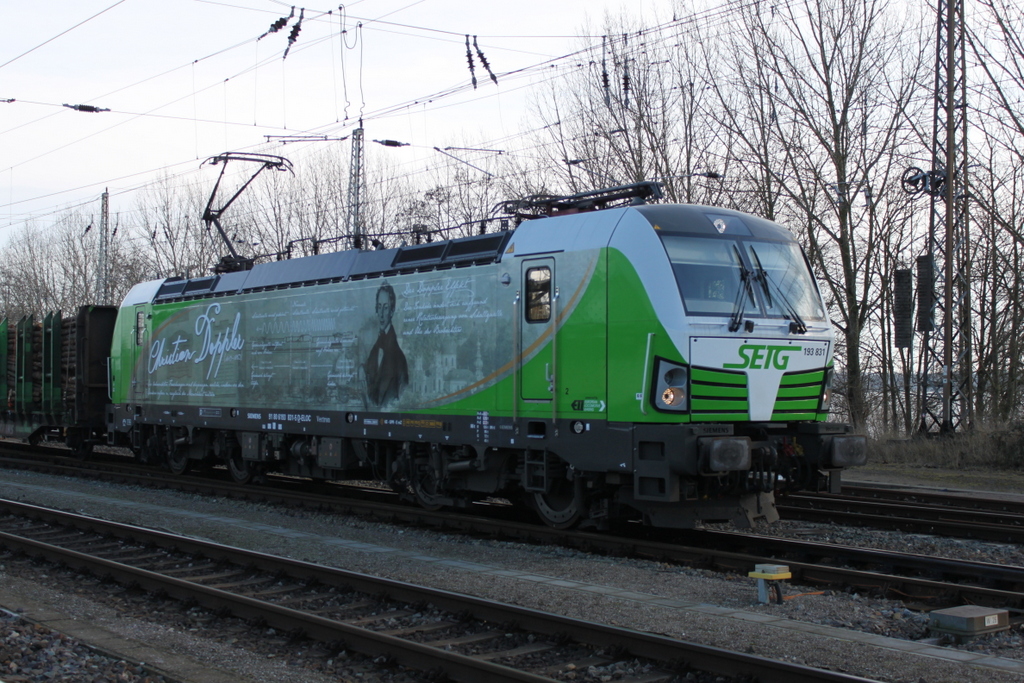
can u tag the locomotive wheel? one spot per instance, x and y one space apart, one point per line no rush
239 468
562 506
425 488
177 460
149 453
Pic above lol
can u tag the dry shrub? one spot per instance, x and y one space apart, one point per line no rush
987 447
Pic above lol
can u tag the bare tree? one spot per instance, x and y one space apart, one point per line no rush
634 114
168 218
999 50
997 179
846 77
54 268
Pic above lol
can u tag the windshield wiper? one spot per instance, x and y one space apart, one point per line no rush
797 324
744 291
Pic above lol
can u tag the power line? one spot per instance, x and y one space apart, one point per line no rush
66 31
558 63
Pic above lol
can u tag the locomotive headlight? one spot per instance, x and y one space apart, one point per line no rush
670 386
826 394
673 396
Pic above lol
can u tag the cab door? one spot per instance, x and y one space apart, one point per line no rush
537 330
136 392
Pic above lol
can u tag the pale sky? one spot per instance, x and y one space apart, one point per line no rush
187 79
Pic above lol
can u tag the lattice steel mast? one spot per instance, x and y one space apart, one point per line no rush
354 219
946 361
102 269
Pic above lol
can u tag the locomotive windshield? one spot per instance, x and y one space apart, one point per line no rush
720 276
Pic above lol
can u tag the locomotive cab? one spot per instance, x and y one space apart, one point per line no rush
737 358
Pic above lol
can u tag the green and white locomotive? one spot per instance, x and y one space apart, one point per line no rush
667 363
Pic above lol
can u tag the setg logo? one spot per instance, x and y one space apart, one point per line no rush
763 357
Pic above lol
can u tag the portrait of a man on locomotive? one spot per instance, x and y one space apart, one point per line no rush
386 369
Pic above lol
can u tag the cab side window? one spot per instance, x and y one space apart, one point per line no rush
140 327
538 294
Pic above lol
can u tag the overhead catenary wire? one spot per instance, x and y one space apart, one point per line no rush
62 33
437 96
434 99
128 190
238 74
193 62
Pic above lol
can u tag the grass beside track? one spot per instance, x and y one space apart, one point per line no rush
971 478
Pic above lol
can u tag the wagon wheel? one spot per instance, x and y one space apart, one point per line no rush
240 469
561 507
80 446
82 451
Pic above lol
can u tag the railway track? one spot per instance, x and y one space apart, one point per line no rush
953 499
425 629
919 579
937 513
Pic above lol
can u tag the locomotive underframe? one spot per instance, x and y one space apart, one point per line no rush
556 467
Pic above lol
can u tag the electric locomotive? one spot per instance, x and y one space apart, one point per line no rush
667 363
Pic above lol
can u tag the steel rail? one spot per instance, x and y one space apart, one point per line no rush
921 521
415 655
967 500
931 507
906 515
894 574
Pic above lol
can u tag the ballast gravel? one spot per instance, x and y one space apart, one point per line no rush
250 660
30 652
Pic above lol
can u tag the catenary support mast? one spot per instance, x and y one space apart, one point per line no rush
353 223
946 359
102 276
